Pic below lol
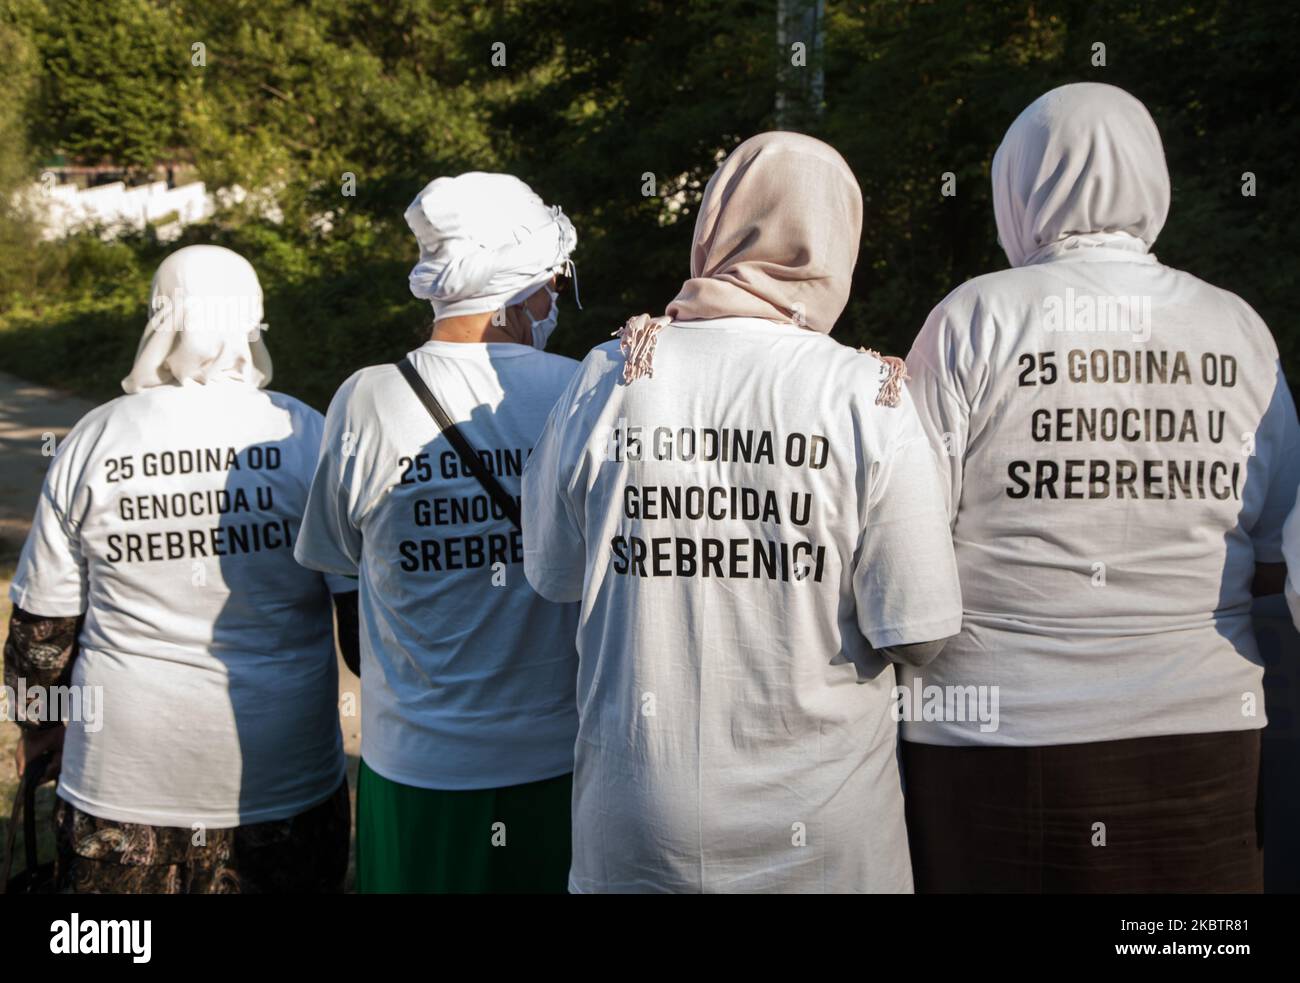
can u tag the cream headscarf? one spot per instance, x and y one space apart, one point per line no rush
1081 167
776 237
205 323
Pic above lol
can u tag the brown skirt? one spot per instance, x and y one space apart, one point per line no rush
1159 814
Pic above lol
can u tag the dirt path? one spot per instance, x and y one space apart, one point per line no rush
32 418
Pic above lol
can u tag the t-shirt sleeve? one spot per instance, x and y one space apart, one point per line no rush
339 584
328 540
51 578
555 550
1291 550
944 413
1284 476
905 575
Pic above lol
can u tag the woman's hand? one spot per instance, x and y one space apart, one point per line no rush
33 743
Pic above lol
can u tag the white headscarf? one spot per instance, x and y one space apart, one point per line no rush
205 323
487 241
1081 167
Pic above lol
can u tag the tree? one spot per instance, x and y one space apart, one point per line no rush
112 79
18 228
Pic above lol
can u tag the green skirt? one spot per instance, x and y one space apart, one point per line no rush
513 840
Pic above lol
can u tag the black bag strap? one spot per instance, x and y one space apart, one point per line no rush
25 807
471 460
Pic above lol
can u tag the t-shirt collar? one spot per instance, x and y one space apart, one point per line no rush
474 349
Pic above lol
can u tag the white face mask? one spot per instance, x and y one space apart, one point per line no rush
542 328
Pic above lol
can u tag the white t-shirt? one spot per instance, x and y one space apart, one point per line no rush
1111 497
466 674
1291 551
168 517
741 529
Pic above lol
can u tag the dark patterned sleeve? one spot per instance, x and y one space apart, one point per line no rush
39 653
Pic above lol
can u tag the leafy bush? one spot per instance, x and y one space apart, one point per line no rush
294 97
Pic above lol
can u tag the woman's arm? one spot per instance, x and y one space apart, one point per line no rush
39 654
347 628
1270 578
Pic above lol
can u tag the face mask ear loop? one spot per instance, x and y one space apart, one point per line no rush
571 272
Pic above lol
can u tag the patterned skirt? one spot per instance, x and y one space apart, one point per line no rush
307 853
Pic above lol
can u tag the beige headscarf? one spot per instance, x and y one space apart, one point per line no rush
776 237
205 323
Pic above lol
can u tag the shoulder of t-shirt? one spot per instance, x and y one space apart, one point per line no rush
92 427
364 385
370 376
860 375
963 328
294 405
894 423
1015 287
598 363
550 371
604 355
122 418
853 369
595 370
1231 305
557 362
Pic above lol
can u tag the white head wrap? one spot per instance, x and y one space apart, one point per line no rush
487 241
1081 167
205 323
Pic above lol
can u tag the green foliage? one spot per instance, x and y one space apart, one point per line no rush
330 311
18 230
291 97
112 79
934 86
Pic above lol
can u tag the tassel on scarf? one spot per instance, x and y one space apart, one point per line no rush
637 340
891 390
